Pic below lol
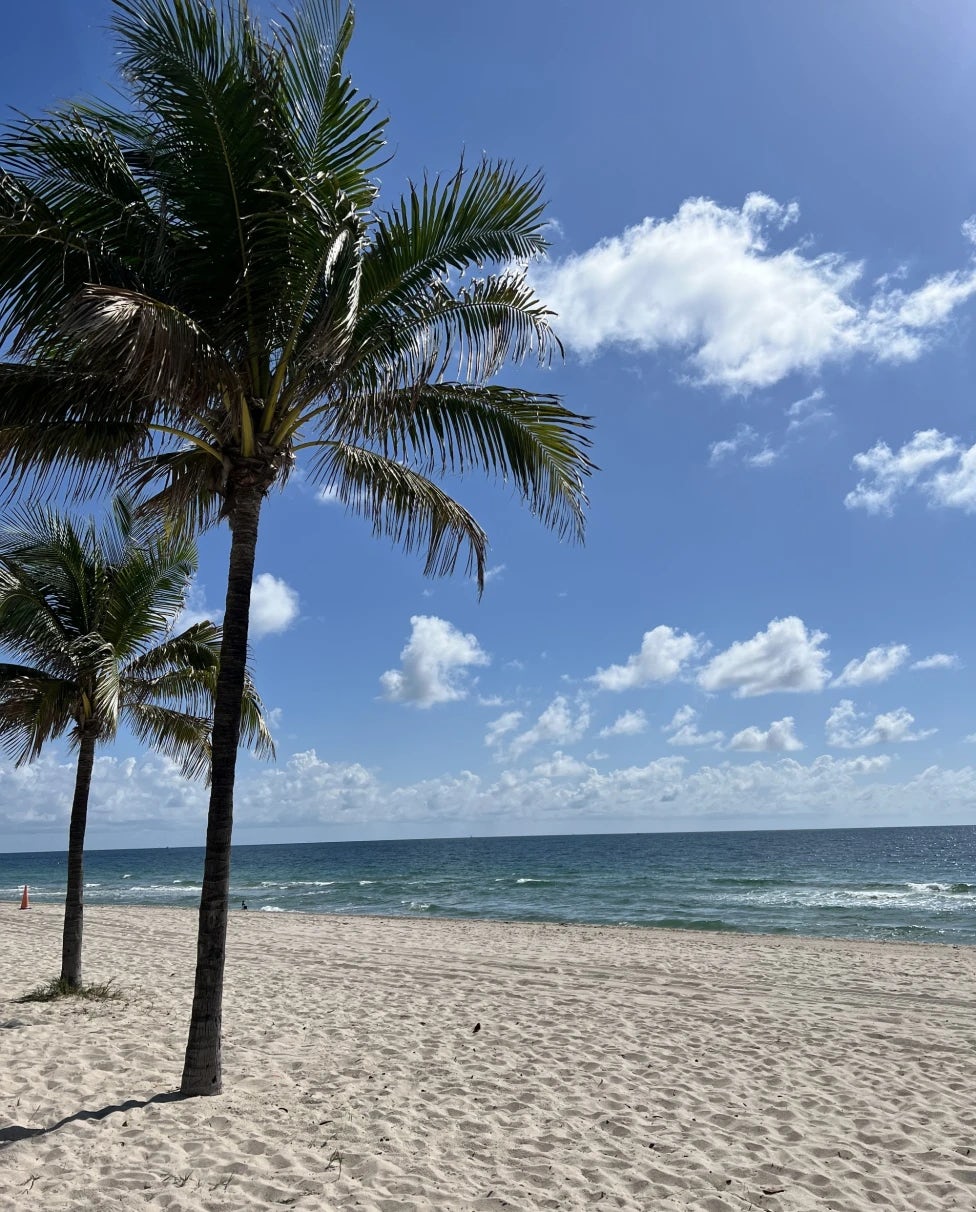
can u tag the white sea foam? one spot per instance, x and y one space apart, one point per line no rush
271 909
363 883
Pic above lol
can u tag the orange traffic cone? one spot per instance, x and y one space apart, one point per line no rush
25 899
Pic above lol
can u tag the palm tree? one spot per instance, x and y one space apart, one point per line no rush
201 287
89 615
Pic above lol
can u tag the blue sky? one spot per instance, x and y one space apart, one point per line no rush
764 266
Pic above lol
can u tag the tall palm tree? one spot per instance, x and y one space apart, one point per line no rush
88 615
201 287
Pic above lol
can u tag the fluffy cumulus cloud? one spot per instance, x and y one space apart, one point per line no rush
683 729
662 654
433 664
877 666
942 469
717 284
784 657
779 737
274 605
847 728
628 724
560 724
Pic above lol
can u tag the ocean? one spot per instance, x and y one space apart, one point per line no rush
916 884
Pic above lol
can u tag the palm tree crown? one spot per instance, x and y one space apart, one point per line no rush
88 613
204 287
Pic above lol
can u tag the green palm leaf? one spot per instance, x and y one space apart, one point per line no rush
404 506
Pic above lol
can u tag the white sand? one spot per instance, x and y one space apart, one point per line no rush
614 1069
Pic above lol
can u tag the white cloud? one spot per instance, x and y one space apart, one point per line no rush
779 737
762 458
887 474
274 605
707 282
662 653
560 766
559 724
434 660
876 666
955 487
746 443
938 660
941 468
683 729
844 729
502 726
753 449
784 657
806 412
628 724
328 495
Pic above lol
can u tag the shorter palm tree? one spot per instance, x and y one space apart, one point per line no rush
90 612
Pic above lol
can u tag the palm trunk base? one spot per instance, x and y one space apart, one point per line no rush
202 1063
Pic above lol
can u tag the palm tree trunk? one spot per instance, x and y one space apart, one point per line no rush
73 902
201 1066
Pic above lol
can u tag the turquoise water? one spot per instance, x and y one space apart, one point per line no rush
914 884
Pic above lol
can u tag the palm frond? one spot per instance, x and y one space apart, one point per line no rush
402 505
147 350
34 708
181 674
334 129
255 734
71 213
180 736
522 437
492 215
185 486
65 431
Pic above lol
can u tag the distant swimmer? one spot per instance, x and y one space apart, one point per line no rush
243 904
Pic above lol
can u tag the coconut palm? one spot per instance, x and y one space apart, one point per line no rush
88 615
201 287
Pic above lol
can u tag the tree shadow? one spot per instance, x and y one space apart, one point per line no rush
15 1132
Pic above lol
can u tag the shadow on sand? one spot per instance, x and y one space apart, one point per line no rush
17 1132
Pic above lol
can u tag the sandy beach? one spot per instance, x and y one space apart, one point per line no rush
613 1068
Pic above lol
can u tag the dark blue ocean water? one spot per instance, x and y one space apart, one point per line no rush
913 884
